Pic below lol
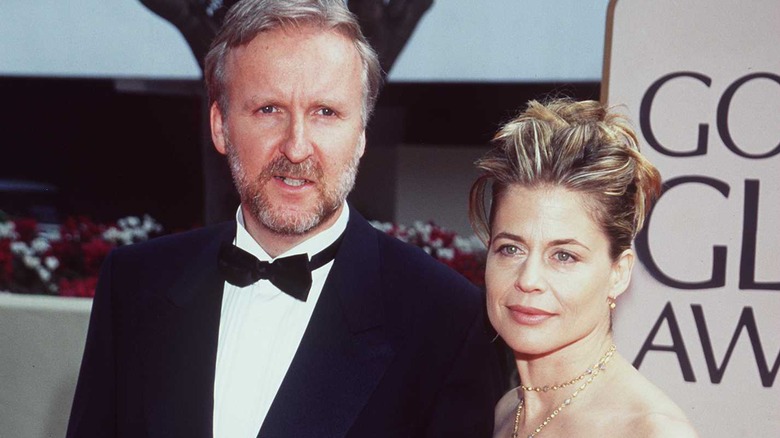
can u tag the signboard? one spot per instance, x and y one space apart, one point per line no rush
701 81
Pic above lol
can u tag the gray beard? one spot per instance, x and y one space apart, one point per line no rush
261 207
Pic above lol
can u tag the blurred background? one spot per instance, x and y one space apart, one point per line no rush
104 104
105 116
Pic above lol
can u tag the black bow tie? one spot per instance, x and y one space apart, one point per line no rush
290 274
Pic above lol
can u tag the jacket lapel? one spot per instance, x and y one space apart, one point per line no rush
345 349
181 328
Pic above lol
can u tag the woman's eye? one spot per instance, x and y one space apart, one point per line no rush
508 250
563 256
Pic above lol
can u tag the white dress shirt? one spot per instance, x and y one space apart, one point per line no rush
260 329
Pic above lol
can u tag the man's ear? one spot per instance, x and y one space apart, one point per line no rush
217 129
621 273
362 143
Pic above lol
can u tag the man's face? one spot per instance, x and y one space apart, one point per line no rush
293 132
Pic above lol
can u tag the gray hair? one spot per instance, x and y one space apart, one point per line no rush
248 18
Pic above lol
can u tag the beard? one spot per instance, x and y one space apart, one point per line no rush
272 215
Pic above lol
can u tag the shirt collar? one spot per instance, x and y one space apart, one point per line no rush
310 246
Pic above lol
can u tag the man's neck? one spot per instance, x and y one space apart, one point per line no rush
274 243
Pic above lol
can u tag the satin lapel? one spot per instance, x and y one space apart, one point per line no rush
181 327
344 351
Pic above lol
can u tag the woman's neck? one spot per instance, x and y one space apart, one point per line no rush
561 371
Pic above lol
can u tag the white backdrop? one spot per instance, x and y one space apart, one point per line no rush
457 40
701 80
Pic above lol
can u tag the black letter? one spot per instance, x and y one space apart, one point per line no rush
723 115
678 346
747 263
718 278
644 116
747 321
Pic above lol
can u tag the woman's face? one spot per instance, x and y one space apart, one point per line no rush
549 274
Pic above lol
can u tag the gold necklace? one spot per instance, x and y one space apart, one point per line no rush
594 371
546 388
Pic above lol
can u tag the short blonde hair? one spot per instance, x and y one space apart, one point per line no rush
580 146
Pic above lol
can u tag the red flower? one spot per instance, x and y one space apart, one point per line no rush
79 287
6 264
71 264
95 252
26 229
69 255
471 266
81 228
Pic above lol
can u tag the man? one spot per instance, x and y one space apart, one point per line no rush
191 336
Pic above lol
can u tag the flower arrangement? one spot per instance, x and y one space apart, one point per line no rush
465 255
63 260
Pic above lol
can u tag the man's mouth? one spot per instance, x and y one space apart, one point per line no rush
293 182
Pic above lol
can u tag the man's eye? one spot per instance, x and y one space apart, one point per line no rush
268 109
327 112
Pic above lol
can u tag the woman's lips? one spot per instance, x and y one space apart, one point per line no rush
529 315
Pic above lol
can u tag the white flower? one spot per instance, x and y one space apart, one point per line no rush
469 245
111 234
8 230
44 275
126 237
49 232
150 225
51 263
446 253
20 248
40 245
133 221
123 236
31 261
382 226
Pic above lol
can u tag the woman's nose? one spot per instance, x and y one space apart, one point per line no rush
530 276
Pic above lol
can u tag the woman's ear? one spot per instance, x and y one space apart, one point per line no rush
621 273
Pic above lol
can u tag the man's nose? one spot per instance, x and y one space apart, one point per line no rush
297 145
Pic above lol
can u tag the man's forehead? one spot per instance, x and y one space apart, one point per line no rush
294 39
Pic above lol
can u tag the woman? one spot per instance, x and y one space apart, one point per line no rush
561 198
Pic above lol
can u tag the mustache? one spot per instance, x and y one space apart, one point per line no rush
308 169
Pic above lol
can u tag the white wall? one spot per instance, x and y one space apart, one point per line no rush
457 40
92 38
506 41
42 341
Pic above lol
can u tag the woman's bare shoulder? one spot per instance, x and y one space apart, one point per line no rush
661 424
652 413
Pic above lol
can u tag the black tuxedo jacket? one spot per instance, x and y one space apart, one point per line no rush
397 346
